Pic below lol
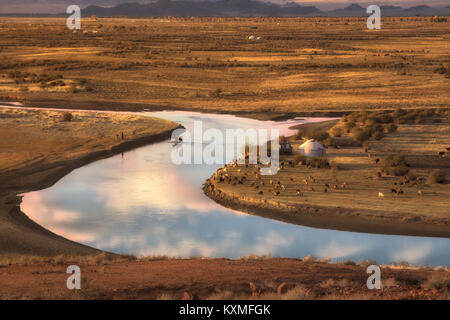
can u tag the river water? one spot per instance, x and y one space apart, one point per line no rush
141 203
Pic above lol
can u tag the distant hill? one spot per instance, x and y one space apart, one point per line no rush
186 8
247 8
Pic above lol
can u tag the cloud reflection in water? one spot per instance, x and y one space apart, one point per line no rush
140 203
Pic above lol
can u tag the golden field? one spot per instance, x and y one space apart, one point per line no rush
300 65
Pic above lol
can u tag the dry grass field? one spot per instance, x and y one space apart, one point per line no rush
112 277
29 136
38 147
355 177
292 67
299 65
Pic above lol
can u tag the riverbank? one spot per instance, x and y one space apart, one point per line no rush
39 147
351 190
323 217
259 278
145 107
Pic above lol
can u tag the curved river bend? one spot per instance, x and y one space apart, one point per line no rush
141 203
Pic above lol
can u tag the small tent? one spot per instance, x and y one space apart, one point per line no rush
312 148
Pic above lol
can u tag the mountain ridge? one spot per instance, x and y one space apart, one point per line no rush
248 8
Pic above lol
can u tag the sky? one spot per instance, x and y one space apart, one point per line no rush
59 6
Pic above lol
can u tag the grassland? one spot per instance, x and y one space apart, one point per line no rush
39 147
300 65
112 277
354 189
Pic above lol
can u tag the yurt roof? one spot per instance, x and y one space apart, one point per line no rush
311 145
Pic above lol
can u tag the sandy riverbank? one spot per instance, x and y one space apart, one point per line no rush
38 148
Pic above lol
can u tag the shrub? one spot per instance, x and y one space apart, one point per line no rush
73 89
67 116
315 162
419 119
336 132
320 135
395 165
348 126
383 118
438 281
361 134
378 135
300 158
330 142
349 262
436 176
391 128
216 93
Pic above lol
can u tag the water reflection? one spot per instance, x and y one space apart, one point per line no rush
143 204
